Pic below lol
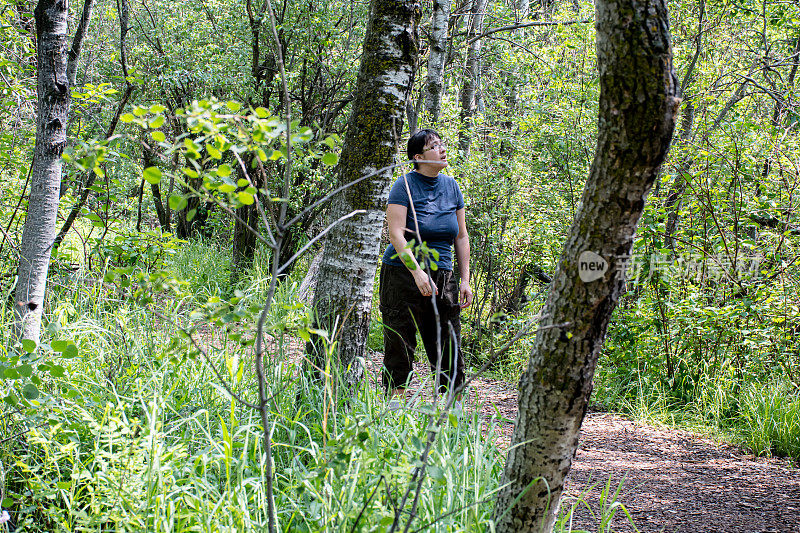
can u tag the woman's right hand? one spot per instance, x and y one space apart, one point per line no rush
423 282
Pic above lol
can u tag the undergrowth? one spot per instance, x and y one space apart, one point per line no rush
126 432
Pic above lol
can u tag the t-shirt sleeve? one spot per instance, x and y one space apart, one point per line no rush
398 194
459 197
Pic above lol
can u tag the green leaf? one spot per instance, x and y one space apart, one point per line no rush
330 159
25 370
246 198
126 118
189 172
213 152
224 171
158 136
11 399
30 391
234 106
152 175
227 187
192 147
190 215
29 345
436 473
157 108
241 182
261 112
156 122
177 202
330 142
70 351
58 346
408 261
276 154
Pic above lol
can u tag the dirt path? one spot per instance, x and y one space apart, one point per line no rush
672 480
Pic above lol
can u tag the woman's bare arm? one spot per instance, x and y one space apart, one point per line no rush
461 246
396 219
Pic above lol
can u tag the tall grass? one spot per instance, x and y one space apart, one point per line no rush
771 420
135 436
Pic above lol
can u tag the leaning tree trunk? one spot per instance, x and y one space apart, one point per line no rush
638 102
51 136
436 59
471 73
343 295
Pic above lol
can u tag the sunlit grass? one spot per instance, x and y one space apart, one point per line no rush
135 436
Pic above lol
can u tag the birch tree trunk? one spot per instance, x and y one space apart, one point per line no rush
638 102
522 7
472 70
343 295
507 143
437 58
51 136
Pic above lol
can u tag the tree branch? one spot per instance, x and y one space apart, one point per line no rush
77 42
512 27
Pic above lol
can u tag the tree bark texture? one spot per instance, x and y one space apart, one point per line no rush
185 226
471 73
437 58
638 103
52 89
306 291
343 294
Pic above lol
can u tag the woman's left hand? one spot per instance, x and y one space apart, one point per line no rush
465 295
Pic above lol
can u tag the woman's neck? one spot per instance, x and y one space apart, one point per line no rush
430 171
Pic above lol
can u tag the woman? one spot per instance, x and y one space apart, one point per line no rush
435 211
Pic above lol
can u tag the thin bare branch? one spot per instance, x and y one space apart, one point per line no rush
263 215
339 189
74 53
512 27
319 236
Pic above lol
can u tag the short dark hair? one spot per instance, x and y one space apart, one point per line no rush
418 140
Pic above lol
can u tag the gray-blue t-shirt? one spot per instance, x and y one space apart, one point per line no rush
436 201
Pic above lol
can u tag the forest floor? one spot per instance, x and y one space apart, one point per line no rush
672 480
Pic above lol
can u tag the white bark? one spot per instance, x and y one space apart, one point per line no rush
51 135
638 103
343 294
437 59
471 73
522 8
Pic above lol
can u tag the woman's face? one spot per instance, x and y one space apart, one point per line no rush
433 156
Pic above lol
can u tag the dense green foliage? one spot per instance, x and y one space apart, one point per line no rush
133 436
118 421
